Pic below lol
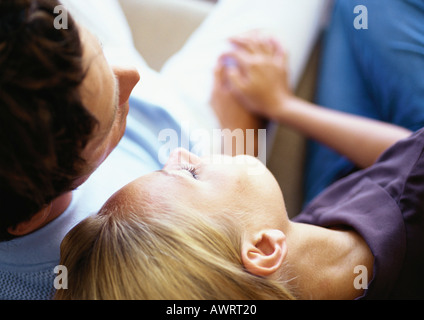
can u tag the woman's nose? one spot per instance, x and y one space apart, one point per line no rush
127 79
179 157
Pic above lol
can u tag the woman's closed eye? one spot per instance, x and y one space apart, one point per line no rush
191 169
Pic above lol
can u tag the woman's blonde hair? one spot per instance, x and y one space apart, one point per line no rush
160 254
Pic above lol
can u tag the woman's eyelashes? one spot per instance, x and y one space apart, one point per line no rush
191 169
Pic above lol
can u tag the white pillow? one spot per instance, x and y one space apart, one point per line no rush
104 18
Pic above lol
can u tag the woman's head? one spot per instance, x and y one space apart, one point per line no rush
198 229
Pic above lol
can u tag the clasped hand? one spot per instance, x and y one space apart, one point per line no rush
255 74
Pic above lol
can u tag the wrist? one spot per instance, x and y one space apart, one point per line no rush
285 108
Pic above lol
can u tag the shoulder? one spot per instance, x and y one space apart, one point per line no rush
384 204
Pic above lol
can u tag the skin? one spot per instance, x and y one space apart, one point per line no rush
231 114
323 259
105 93
257 82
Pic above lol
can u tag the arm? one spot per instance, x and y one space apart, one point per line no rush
360 139
259 82
233 116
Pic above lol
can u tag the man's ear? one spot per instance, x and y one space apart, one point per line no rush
264 254
32 224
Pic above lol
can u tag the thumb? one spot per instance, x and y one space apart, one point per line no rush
235 80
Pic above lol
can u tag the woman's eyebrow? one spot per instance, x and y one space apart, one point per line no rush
164 172
170 174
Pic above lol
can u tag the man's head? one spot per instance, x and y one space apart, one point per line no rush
62 108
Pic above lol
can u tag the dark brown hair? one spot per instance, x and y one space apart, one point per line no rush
43 124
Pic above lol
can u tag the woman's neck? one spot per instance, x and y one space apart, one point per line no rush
323 261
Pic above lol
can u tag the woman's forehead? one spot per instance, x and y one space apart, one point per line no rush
141 189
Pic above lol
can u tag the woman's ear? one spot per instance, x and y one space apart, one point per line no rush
264 254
